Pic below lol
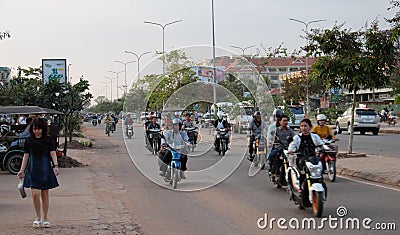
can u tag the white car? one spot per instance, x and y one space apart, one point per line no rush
365 120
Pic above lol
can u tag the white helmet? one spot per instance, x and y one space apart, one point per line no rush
219 115
321 117
176 121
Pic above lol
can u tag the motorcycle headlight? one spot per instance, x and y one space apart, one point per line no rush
315 170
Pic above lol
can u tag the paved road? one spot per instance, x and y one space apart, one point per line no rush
382 144
234 205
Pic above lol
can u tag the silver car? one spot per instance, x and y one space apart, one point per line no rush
298 113
365 120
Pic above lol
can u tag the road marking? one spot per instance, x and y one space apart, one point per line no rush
373 184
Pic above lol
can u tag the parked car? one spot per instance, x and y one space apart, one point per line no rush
143 116
365 120
298 113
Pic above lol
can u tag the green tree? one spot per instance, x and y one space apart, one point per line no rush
353 60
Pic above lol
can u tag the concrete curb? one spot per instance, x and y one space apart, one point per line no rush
367 176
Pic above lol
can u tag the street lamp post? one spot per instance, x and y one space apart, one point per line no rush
214 62
163 33
116 73
106 86
111 79
307 98
125 63
138 60
243 50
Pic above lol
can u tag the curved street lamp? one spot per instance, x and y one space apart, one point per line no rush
125 63
116 73
306 24
163 36
138 60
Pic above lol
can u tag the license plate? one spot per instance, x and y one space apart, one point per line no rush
368 120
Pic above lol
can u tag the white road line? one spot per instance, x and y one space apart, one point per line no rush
368 183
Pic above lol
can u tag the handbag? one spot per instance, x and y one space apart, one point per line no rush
21 188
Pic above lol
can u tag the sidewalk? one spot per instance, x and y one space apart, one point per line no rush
373 168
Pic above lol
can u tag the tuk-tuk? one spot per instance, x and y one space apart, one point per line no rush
11 146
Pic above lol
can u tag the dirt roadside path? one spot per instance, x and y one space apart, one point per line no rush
90 199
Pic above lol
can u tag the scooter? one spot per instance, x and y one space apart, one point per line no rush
129 131
94 121
192 134
174 167
306 186
328 158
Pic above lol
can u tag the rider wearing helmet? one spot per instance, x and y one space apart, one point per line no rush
321 129
177 136
277 114
189 123
220 123
256 127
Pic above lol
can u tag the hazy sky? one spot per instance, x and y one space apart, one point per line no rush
92 34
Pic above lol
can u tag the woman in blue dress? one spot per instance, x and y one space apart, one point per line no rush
41 169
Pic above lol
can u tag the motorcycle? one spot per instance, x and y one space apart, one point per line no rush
260 151
392 120
305 182
113 126
222 141
129 131
192 134
94 121
328 157
174 167
155 139
108 128
279 167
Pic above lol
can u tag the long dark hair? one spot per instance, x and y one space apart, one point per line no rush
38 123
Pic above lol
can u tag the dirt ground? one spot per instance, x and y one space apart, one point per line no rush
112 217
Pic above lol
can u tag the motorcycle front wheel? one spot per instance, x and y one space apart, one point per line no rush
175 178
331 168
318 204
14 163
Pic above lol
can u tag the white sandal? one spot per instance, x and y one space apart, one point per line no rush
46 224
36 223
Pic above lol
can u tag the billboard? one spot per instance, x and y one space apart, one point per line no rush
206 74
54 69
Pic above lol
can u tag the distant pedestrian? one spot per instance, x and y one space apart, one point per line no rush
41 171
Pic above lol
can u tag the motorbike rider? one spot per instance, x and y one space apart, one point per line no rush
392 116
277 114
189 123
321 129
174 136
152 125
256 127
107 119
306 142
219 124
128 121
283 132
115 121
